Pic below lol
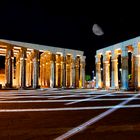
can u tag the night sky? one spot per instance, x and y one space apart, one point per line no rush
68 25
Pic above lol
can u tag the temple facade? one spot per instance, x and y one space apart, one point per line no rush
118 66
32 65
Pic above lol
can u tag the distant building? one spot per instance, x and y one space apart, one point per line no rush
118 66
33 65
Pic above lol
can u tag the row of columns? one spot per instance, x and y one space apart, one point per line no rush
65 71
110 81
46 70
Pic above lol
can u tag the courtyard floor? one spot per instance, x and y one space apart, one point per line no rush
75 114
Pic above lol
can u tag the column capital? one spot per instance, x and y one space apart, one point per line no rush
83 58
137 50
114 55
53 58
97 58
124 53
35 53
9 52
9 46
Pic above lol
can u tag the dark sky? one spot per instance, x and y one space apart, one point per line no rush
68 25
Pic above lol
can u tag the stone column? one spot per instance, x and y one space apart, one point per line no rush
68 71
8 66
77 72
23 67
18 75
136 67
138 87
13 71
28 71
114 72
61 72
106 73
52 73
73 72
124 74
133 71
35 68
71 61
64 72
98 71
41 67
82 72
43 72
81 76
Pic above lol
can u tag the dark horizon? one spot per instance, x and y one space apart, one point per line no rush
36 22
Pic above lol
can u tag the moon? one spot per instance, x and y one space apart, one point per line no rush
97 30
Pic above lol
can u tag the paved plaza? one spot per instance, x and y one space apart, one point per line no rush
75 114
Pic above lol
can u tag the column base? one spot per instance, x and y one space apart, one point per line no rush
124 88
36 87
114 88
106 88
98 87
137 89
7 85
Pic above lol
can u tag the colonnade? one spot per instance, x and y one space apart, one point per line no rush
112 73
47 69
57 70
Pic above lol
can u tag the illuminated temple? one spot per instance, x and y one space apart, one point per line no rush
118 66
32 65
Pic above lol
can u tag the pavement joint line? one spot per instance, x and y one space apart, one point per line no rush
22 97
58 97
94 119
52 94
71 109
53 101
82 100
126 92
22 94
44 92
68 96
46 95
38 96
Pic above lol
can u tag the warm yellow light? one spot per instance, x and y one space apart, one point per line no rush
59 53
78 55
69 54
118 49
28 49
16 51
138 76
80 83
2 79
41 50
17 48
108 51
1 49
2 54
